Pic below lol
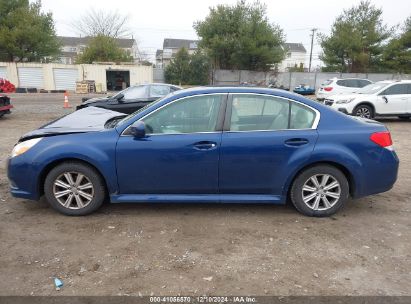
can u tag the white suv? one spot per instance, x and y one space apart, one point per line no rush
383 98
340 86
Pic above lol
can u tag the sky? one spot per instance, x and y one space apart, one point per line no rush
152 21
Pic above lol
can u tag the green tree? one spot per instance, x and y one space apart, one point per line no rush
26 33
397 55
240 37
103 49
178 70
199 69
356 41
188 69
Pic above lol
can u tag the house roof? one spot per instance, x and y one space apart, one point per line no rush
73 41
295 47
179 43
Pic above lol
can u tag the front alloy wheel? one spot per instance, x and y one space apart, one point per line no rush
364 112
74 188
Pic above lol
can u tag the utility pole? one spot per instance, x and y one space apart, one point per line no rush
311 51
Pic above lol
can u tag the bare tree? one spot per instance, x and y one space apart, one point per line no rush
105 23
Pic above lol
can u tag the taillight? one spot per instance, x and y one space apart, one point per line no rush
382 139
328 89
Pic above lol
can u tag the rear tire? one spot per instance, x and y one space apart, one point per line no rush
74 188
364 111
319 191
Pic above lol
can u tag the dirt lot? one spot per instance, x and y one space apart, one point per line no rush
201 248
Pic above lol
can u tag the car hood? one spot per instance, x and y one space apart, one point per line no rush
90 119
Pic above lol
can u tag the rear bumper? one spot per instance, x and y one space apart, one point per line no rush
321 95
379 176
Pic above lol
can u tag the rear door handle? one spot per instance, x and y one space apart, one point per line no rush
296 142
205 145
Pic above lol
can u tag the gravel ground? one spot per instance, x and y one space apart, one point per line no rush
197 249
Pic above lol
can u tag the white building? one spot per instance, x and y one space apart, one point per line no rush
295 57
74 46
170 49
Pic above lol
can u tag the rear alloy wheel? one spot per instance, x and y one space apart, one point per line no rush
320 191
73 188
364 111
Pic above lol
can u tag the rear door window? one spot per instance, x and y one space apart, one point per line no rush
266 113
259 112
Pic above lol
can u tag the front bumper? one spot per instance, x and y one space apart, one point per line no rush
23 179
6 108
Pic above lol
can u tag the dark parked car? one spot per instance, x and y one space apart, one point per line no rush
5 105
132 98
225 145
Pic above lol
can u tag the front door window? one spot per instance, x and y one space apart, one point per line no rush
188 115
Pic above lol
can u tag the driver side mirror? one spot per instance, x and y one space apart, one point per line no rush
138 129
385 99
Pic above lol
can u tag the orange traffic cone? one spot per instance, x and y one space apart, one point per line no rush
66 101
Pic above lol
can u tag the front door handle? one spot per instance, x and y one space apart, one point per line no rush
205 145
296 142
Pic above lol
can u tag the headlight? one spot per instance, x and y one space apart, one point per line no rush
24 146
344 101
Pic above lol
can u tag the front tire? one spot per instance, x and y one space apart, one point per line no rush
319 191
364 111
74 188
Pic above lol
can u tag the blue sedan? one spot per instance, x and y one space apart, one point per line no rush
228 145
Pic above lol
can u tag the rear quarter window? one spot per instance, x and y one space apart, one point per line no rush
301 117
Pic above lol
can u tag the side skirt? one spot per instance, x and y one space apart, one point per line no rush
197 198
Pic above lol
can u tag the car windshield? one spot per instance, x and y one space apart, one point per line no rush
372 88
128 117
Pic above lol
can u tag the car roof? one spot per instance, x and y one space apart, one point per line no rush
243 90
394 81
335 78
156 83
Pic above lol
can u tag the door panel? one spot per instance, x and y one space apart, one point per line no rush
180 153
393 100
259 162
174 164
